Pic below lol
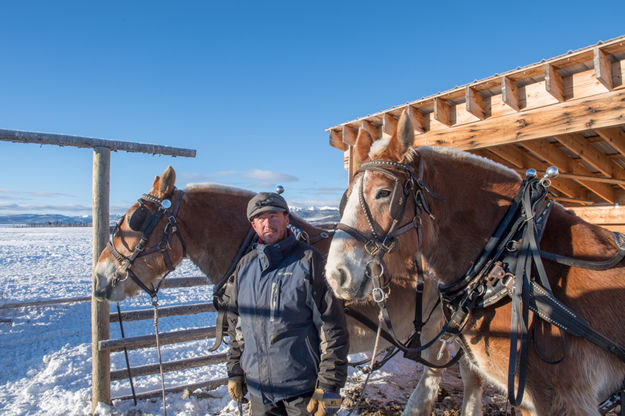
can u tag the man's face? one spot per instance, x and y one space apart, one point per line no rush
271 226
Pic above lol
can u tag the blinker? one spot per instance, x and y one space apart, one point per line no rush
138 217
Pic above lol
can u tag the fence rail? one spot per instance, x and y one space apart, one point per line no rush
145 370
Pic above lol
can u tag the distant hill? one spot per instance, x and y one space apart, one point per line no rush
48 219
315 215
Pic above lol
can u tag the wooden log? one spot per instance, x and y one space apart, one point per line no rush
336 140
442 111
146 370
101 360
18 136
510 93
164 311
417 118
603 67
44 302
176 282
475 103
209 385
600 111
165 338
553 82
349 135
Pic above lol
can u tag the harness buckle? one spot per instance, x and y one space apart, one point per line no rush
389 243
372 247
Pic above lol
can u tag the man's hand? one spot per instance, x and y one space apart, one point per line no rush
237 388
324 403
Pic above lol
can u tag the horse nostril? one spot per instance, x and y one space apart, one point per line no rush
343 276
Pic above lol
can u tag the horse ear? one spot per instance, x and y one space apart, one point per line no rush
168 179
404 138
363 144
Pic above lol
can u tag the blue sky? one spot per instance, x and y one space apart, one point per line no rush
251 86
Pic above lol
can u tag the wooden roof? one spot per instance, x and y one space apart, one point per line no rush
567 111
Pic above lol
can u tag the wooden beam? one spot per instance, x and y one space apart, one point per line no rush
163 311
522 161
615 137
150 340
604 216
442 111
18 136
577 144
475 103
349 135
553 82
371 129
147 369
389 126
417 118
510 93
599 111
556 157
603 67
336 140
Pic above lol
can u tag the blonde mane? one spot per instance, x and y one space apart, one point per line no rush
218 188
470 158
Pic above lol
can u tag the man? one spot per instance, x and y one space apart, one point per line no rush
288 341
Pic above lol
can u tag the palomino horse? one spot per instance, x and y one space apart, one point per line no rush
209 225
452 204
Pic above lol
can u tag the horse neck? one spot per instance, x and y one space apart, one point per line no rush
213 226
476 197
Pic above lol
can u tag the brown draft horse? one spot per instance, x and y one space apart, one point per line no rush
212 224
475 193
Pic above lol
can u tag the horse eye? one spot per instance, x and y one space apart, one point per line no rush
382 193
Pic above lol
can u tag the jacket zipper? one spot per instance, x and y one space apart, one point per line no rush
274 301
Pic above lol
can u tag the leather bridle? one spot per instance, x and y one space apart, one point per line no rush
146 223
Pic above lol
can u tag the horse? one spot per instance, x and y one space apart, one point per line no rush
454 205
206 223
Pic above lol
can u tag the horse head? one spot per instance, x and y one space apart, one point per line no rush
145 245
380 215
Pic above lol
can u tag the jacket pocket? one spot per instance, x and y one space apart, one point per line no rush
312 352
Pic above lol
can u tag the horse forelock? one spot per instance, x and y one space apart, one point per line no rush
218 188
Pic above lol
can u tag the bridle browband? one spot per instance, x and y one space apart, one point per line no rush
146 225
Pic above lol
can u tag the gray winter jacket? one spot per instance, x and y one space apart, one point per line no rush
287 331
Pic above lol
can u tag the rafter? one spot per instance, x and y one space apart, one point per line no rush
553 82
442 111
603 67
615 136
510 93
475 103
389 125
556 157
417 118
349 135
336 140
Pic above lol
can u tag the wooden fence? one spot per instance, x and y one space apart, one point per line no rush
166 338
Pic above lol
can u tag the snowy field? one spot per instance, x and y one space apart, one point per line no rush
45 360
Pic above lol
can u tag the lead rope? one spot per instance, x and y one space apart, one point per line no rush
371 364
158 349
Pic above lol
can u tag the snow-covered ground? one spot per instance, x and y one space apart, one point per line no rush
45 352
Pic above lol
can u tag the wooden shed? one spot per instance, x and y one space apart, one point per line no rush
567 111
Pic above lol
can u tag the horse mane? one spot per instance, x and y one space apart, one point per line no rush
218 188
463 156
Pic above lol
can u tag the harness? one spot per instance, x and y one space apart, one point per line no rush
144 220
503 269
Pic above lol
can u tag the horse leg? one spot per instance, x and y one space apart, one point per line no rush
472 382
424 395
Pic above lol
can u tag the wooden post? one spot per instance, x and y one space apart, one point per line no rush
101 385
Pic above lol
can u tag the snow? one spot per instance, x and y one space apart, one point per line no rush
46 350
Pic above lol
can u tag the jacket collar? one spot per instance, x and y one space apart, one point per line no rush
272 255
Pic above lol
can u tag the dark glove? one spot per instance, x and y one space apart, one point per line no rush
237 388
324 403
